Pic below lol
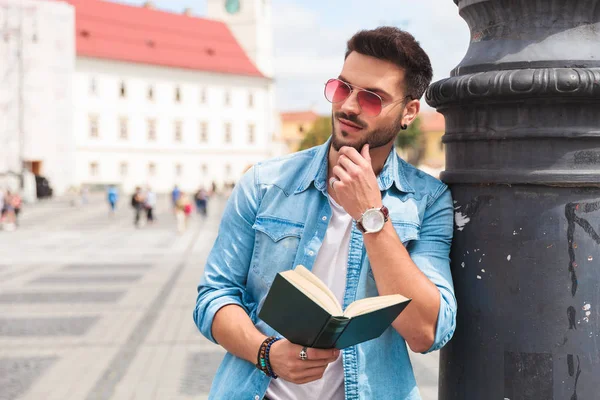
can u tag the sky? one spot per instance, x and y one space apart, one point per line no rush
310 38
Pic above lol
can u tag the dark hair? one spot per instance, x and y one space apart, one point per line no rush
399 47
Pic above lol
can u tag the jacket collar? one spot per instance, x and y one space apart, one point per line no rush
392 172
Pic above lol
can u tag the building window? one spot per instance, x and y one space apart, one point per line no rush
177 94
122 90
151 130
150 93
251 100
94 133
93 87
227 98
227 132
178 131
123 169
123 128
151 169
94 169
203 96
227 170
204 169
178 170
300 128
203 132
251 130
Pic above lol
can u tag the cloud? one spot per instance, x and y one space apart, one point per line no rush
310 41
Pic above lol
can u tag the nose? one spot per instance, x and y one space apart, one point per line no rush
350 105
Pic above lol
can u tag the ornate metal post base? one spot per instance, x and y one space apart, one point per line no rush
523 160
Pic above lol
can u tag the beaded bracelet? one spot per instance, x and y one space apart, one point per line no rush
262 360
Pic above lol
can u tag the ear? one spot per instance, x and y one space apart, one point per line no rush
411 110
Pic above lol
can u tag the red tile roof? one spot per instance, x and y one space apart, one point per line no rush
299 116
432 121
142 35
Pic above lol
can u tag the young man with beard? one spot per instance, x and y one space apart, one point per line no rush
363 220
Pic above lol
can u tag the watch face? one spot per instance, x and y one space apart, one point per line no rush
232 6
373 220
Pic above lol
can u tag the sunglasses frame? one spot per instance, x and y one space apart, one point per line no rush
353 87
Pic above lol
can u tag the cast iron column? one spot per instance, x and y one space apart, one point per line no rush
523 161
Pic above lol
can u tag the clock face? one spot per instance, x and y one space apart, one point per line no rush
232 6
373 220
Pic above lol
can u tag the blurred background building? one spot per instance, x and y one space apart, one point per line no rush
294 126
98 93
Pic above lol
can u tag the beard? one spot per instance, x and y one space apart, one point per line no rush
376 137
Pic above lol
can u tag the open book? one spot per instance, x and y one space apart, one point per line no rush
303 309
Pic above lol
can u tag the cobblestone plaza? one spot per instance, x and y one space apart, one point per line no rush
92 308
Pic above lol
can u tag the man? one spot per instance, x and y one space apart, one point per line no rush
311 208
112 197
150 204
137 202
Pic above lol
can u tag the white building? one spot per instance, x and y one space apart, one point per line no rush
161 99
37 65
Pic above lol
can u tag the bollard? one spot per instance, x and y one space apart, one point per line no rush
522 143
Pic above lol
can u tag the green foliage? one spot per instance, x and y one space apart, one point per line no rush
410 137
318 135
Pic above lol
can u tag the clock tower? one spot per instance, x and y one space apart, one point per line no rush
250 23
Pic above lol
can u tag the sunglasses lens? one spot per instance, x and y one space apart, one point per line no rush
369 103
336 91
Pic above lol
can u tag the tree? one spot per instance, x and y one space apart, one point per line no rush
318 134
408 142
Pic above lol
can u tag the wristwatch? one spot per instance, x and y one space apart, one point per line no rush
373 219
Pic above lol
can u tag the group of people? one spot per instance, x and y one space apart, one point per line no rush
10 204
143 202
182 205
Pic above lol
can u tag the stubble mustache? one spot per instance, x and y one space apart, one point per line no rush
352 118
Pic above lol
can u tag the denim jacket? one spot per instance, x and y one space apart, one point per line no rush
276 218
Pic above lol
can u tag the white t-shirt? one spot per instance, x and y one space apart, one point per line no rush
330 266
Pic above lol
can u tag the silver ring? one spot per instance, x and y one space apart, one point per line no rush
332 180
303 355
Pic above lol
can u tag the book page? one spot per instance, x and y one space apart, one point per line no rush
314 288
364 306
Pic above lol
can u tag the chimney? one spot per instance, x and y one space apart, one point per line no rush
149 5
188 11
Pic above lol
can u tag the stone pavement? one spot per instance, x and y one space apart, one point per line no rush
93 309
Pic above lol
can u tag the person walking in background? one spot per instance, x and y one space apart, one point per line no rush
150 203
137 202
8 212
183 209
1 207
84 194
201 198
175 193
112 196
16 202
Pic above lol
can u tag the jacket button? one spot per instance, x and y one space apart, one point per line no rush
324 218
311 253
256 397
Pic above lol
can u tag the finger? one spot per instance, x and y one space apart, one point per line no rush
311 375
340 173
308 364
310 378
365 152
349 166
354 156
321 354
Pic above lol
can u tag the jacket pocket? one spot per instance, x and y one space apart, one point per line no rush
406 231
275 246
